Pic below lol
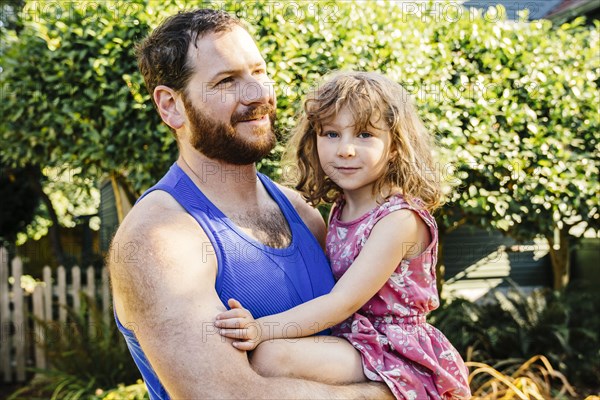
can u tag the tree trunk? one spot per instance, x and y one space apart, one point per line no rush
53 230
560 256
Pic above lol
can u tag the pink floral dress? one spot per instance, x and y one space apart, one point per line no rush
397 346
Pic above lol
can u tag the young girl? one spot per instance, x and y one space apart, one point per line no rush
361 144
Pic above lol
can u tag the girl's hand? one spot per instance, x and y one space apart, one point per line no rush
238 323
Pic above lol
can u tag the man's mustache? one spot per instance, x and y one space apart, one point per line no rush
253 113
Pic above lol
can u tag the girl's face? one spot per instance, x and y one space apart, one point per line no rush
354 159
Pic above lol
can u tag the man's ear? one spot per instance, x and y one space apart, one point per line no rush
170 107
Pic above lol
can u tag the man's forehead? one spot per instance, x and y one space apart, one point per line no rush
225 47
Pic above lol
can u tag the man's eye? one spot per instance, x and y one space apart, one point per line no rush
225 81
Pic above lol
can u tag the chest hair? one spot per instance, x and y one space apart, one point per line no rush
268 227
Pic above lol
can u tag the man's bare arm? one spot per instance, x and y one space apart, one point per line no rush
165 292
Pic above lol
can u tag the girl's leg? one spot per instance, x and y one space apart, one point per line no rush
325 359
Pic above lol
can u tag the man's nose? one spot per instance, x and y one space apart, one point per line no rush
257 91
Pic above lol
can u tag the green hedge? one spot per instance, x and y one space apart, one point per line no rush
513 104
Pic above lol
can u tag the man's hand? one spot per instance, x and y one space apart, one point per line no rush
238 323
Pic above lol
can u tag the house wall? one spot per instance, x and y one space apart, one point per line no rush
477 261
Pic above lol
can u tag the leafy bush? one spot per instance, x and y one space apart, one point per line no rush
564 327
513 103
583 361
137 391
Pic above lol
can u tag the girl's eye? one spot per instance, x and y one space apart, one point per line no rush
364 135
330 134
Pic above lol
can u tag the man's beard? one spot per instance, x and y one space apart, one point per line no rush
220 141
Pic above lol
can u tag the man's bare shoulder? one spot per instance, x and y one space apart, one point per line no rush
311 216
157 219
157 209
159 224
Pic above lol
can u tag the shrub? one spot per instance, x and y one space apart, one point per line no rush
514 103
136 391
562 326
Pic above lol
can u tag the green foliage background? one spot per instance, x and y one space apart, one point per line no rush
513 104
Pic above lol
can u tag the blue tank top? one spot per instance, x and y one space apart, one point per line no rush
265 280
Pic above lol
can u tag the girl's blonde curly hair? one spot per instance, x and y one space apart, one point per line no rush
370 97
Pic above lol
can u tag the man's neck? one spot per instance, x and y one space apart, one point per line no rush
236 191
217 178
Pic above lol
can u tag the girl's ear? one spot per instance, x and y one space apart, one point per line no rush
393 152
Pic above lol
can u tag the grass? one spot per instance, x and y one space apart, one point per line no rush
511 379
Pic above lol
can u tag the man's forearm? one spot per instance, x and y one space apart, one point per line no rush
290 388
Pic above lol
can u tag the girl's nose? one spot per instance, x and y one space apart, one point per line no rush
346 149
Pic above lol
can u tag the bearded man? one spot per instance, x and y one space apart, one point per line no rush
213 228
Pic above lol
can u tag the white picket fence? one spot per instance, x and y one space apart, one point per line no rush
21 337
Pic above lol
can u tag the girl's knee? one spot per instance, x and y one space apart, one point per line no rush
271 359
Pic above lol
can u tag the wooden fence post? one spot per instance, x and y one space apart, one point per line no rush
91 283
5 338
76 288
91 292
47 293
19 319
39 336
62 296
